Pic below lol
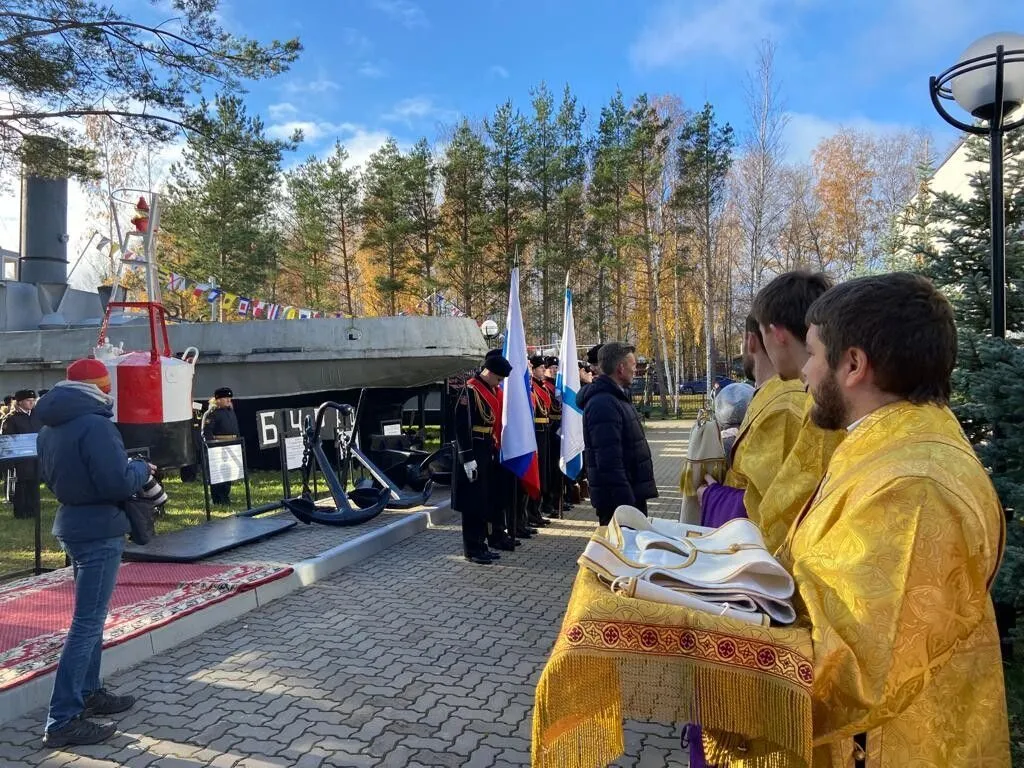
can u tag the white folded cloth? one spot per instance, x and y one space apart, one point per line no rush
724 570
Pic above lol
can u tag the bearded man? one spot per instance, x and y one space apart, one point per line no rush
894 556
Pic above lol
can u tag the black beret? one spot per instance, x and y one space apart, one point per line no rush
499 365
592 353
25 394
494 353
549 361
223 392
536 360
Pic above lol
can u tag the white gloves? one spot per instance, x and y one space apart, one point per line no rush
470 469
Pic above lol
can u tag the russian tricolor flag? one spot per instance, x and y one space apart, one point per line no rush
518 440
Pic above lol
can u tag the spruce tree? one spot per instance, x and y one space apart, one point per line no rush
989 379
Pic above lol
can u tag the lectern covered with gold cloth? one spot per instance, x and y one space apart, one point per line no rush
618 657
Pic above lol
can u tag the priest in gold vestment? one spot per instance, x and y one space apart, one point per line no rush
894 556
780 455
770 425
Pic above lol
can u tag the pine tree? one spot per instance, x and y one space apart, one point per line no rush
218 219
422 181
606 200
989 380
704 159
307 253
506 196
466 225
541 175
342 188
64 59
386 224
569 189
647 155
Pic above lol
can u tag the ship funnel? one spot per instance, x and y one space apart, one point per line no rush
44 224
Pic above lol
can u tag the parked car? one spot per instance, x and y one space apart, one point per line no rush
641 384
700 386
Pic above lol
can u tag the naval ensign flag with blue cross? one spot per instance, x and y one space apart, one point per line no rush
567 385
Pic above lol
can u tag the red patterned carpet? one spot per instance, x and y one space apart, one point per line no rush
35 613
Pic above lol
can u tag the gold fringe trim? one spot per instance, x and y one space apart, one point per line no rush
583 697
699 468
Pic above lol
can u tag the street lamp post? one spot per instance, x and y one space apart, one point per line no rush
988 83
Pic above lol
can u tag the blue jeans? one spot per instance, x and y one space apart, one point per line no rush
95 565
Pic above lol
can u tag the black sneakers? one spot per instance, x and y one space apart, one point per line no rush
78 733
102 702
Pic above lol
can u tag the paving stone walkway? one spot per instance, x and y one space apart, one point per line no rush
411 658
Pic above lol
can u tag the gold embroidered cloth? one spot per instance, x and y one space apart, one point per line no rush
796 480
618 657
767 435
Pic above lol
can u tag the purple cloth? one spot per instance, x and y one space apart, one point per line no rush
692 733
721 504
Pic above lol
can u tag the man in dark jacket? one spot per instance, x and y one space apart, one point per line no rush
616 453
19 421
221 424
83 461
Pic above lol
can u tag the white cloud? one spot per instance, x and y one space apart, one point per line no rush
355 43
312 130
418 108
403 11
906 35
731 29
318 85
282 111
369 69
499 71
361 143
804 132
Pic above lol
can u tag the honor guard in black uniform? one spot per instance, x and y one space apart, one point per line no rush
221 424
537 508
557 478
19 421
478 481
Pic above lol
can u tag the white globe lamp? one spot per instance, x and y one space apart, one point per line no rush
489 329
974 88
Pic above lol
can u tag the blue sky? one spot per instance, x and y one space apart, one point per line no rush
404 67
407 68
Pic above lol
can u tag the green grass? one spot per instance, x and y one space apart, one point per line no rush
184 508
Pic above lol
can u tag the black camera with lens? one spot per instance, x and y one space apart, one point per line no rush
152 492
